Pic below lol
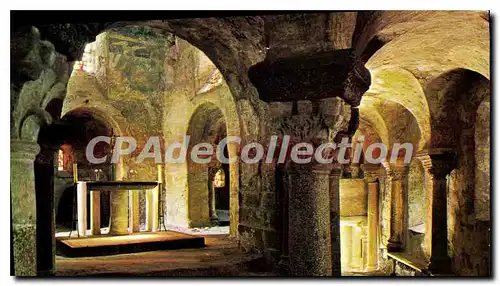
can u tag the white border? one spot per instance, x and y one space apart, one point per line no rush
214 5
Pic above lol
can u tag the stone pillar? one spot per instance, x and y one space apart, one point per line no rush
23 206
356 259
212 210
398 175
309 220
305 69
119 212
134 217
385 208
81 202
335 219
119 203
284 200
211 196
371 178
45 223
154 210
149 210
441 165
95 213
425 159
346 247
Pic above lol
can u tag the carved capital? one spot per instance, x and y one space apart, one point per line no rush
398 172
425 160
319 123
371 172
336 172
442 164
303 127
23 150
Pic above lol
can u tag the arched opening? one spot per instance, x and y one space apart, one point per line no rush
81 126
457 96
208 182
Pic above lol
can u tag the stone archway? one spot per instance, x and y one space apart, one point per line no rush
455 97
84 124
207 125
50 184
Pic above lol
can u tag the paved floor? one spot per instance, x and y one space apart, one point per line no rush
221 257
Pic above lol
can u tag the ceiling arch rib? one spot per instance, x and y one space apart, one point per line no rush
400 86
368 112
436 45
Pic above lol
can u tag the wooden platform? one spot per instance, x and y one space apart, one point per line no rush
139 242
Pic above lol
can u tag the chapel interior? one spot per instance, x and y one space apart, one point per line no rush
419 77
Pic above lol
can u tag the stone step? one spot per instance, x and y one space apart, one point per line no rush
100 245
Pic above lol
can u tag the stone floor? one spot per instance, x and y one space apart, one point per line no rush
221 257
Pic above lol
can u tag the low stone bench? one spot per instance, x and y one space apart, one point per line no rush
406 265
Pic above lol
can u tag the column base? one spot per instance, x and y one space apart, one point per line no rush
440 265
214 221
371 268
394 246
24 249
283 266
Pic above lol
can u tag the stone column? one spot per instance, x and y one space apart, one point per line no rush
212 210
356 259
398 175
119 203
119 212
211 196
347 247
95 213
45 223
371 178
149 210
385 208
152 209
335 219
23 206
284 200
309 220
441 166
425 159
304 68
81 201
134 217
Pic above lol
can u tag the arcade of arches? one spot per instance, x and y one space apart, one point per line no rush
388 77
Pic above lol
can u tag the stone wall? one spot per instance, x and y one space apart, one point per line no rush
353 197
469 237
122 82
